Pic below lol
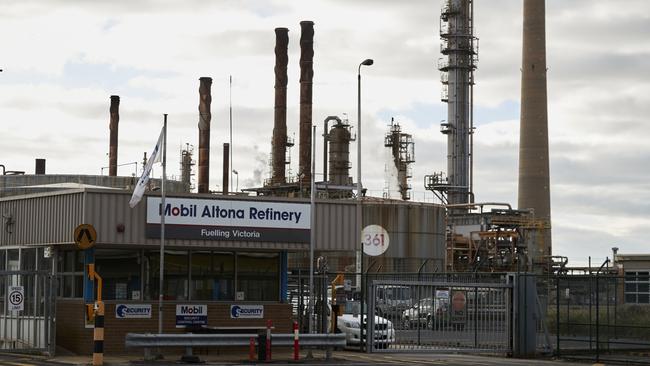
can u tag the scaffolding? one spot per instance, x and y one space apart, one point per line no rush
403 153
500 240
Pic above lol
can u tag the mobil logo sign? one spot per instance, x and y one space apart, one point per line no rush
188 314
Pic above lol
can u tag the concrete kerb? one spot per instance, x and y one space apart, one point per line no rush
239 359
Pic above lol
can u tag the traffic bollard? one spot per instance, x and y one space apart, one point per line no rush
269 324
251 350
98 335
296 344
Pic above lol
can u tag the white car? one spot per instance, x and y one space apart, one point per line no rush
384 333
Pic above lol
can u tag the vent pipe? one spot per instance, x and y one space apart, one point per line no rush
226 167
114 112
306 82
279 143
534 182
205 116
40 166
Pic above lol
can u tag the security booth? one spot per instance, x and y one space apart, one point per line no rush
226 258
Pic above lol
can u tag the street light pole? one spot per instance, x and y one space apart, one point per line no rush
366 62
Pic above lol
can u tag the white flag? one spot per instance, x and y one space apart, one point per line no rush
155 157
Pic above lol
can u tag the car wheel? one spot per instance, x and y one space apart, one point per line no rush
429 322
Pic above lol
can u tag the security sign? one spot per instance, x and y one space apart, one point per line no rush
16 298
247 311
85 236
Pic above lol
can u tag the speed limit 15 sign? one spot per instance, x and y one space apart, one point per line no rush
16 296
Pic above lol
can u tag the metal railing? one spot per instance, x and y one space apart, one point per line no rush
150 340
190 341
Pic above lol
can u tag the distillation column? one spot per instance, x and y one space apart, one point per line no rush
457 43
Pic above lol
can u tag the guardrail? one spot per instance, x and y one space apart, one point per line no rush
189 340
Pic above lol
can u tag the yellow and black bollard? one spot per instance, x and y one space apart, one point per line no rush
98 335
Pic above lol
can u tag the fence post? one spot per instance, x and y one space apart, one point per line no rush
269 324
597 319
598 309
526 333
591 296
557 315
476 317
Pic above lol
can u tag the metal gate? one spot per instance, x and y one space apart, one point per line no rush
441 314
30 330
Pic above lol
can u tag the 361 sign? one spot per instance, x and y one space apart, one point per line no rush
375 240
16 298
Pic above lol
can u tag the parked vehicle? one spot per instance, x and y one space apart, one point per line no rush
392 300
350 324
428 313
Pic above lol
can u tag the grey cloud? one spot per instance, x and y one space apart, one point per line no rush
88 111
261 8
579 67
579 244
605 166
241 43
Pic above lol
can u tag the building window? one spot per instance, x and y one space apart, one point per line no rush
120 272
13 260
176 276
213 275
258 276
28 259
637 287
71 273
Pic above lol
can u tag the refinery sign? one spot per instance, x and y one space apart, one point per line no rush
188 218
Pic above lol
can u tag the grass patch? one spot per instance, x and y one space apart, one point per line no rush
621 321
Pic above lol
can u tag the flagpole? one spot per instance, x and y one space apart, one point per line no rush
162 228
232 150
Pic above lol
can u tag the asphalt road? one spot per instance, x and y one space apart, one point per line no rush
26 360
341 357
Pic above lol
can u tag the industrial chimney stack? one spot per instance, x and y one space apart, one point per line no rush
279 143
306 81
534 190
205 99
114 112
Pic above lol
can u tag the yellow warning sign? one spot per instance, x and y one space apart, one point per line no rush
85 236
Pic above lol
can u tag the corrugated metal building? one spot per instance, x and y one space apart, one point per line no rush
217 273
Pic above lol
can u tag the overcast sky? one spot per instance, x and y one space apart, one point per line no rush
62 59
